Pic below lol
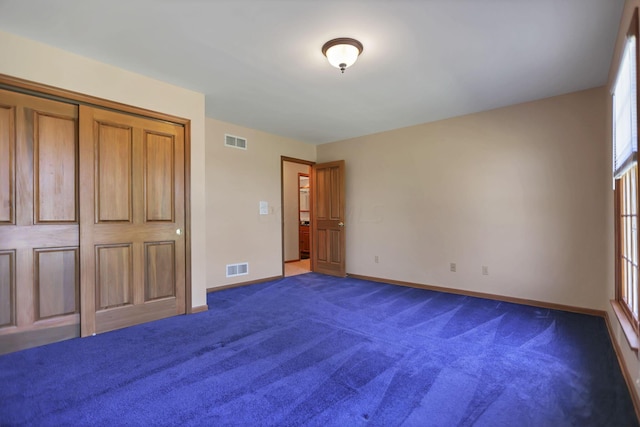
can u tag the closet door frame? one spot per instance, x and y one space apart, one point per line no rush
45 91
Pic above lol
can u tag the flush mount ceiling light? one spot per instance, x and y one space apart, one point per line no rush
342 52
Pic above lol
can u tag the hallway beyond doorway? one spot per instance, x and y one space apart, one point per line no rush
297 267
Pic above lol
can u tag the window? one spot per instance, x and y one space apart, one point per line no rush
625 129
625 173
627 189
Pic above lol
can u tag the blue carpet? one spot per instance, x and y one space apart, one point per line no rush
321 351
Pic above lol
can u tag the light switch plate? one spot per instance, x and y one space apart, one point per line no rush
264 208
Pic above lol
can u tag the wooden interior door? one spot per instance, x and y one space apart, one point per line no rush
328 219
39 243
131 220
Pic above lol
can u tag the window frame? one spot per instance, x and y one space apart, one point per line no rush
629 320
621 259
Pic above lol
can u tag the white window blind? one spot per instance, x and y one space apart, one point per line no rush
625 124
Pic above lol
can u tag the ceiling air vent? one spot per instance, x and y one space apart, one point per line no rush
237 269
235 142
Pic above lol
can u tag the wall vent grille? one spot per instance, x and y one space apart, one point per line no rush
234 270
235 142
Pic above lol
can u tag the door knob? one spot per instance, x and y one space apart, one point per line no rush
341 224
178 231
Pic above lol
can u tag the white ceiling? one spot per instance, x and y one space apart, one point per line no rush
259 61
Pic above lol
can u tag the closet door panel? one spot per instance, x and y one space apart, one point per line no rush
114 280
7 288
39 239
114 145
57 282
54 152
7 160
159 176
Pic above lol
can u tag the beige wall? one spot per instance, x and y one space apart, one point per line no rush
629 357
237 180
521 190
48 65
291 217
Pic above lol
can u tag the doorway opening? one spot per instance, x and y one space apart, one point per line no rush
296 216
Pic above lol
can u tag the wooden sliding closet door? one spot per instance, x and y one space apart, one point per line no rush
39 243
132 220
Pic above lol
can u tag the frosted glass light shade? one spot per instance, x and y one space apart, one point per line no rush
342 53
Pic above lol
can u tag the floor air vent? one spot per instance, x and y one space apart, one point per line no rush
235 142
237 269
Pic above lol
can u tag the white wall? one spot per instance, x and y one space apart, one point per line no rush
291 213
518 189
44 64
237 180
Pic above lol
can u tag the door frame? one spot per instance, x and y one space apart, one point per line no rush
50 92
302 162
